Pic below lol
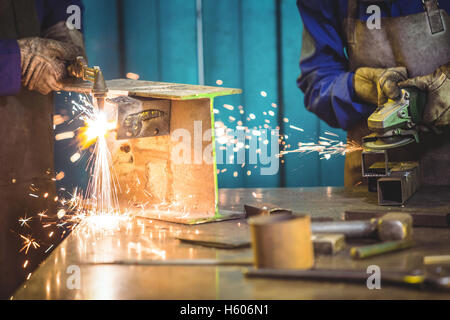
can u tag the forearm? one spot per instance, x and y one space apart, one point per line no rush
10 69
332 98
325 78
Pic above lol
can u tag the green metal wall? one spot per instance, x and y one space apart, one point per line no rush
249 44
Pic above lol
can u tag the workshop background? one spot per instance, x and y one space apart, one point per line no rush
249 44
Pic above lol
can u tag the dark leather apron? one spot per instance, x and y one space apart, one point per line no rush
26 153
419 42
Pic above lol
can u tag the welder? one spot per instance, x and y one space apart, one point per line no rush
357 54
36 43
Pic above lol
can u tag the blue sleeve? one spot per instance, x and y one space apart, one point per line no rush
325 78
54 11
10 69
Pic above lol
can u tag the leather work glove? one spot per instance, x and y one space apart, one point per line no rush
43 63
377 85
437 84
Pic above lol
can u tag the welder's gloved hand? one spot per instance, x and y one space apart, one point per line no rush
63 33
437 84
43 63
377 85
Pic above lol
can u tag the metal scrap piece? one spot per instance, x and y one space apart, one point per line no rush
217 244
252 211
174 262
328 243
436 260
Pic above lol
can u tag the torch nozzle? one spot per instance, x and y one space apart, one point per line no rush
81 70
99 89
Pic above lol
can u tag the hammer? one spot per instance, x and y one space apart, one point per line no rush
389 227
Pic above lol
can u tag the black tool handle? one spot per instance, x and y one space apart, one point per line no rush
358 276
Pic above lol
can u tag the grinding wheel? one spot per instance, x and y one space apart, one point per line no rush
385 143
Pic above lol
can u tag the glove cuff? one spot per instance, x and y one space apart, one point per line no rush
61 32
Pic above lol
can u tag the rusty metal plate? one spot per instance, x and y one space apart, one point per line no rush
152 89
191 218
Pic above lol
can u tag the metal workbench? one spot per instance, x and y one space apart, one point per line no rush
151 239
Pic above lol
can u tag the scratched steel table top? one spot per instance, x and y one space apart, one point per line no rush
151 239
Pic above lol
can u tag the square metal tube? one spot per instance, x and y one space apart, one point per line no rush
398 188
375 164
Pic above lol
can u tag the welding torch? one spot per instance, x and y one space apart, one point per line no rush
80 69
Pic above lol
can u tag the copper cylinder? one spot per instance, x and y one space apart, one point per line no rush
282 242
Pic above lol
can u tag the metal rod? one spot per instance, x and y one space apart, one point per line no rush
174 262
415 279
380 248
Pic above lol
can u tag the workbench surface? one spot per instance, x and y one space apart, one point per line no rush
150 239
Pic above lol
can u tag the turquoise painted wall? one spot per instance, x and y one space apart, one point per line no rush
249 44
